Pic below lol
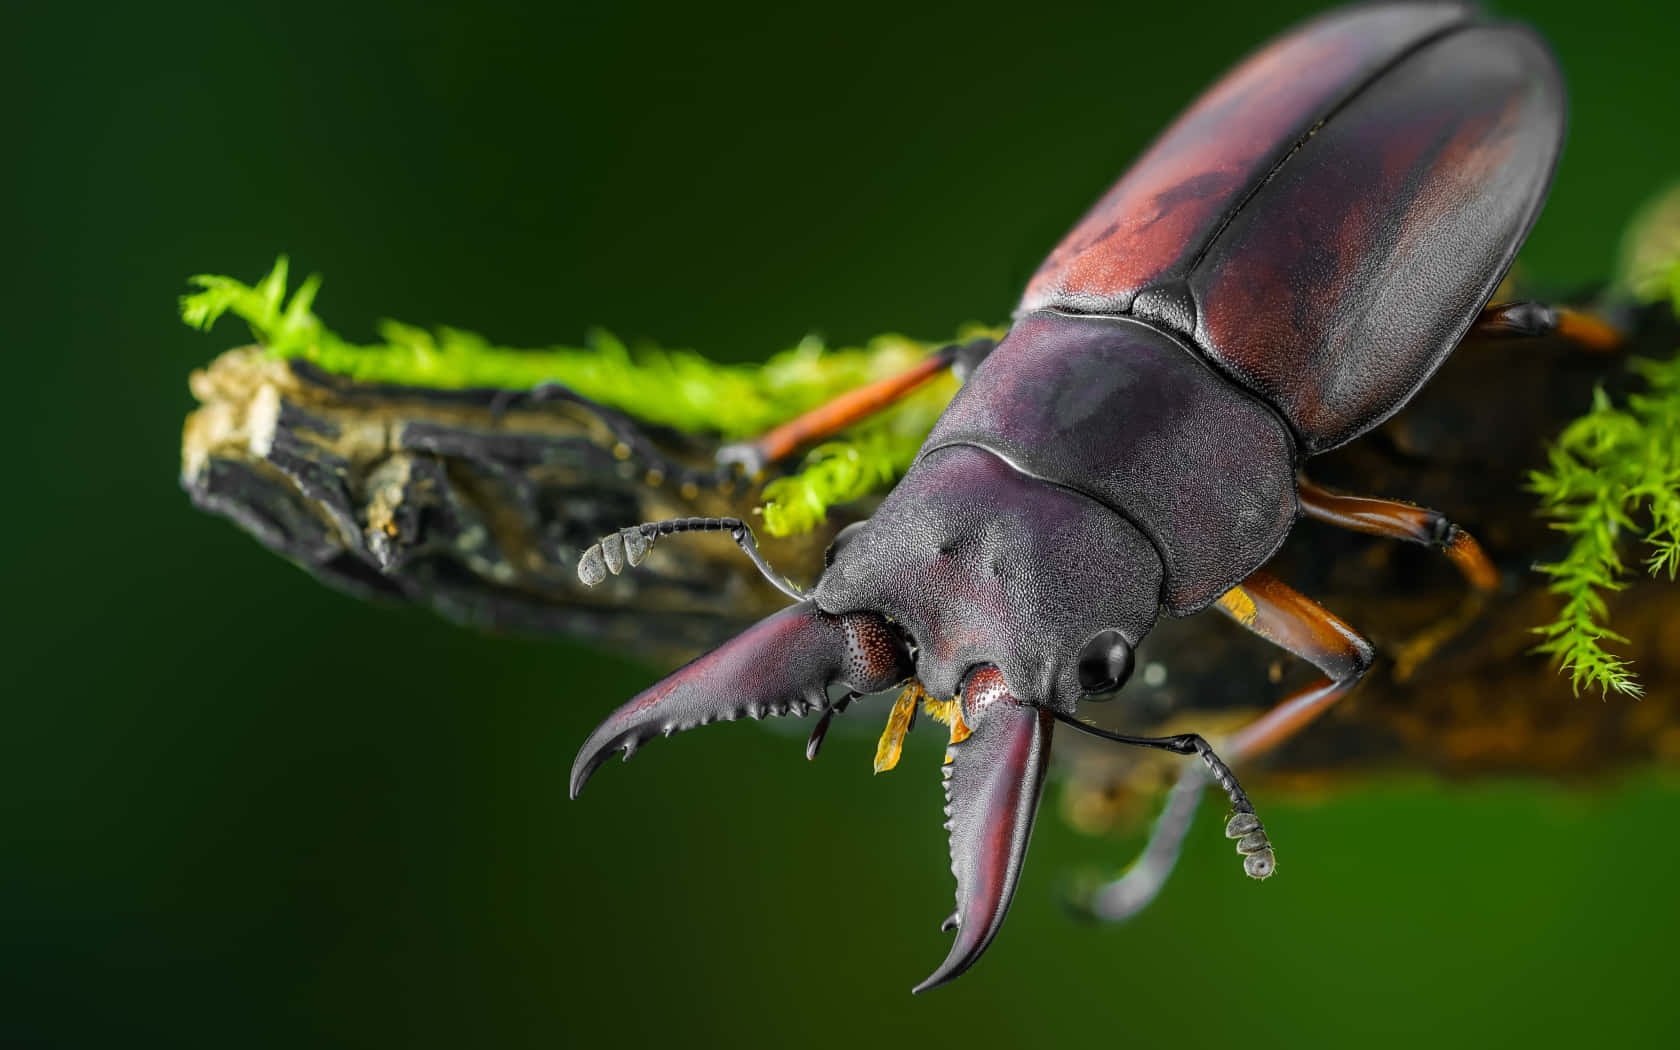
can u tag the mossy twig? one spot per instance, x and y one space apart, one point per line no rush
675 388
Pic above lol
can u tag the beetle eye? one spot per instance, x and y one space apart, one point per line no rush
1105 663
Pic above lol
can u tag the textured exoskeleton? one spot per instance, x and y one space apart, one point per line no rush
1279 273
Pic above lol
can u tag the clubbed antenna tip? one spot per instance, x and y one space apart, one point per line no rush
1259 861
629 546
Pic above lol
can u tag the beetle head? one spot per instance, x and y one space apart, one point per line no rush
982 565
1018 595
1021 596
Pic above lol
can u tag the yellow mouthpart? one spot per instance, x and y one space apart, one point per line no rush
891 746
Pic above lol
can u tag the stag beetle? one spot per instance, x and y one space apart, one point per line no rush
1278 274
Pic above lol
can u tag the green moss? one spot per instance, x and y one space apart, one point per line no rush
1615 472
875 455
676 388
1649 267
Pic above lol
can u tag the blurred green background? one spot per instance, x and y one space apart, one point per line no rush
241 809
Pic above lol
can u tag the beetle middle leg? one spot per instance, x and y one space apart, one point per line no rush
1289 619
851 407
1398 520
1532 320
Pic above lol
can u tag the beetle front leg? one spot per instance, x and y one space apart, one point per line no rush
1286 618
853 406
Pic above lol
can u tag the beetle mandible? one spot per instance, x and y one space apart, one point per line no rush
1278 274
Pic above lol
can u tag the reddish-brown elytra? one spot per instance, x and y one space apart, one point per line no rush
1279 273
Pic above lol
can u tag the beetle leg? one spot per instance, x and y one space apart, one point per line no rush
1121 898
1289 619
1530 320
1398 520
850 407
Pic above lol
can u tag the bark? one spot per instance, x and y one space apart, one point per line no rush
475 503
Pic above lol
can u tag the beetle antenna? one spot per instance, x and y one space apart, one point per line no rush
1244 826
629 546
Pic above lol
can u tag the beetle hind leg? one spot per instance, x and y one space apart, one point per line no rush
1532 320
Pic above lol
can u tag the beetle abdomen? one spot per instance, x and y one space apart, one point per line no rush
1134 418
1327 222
